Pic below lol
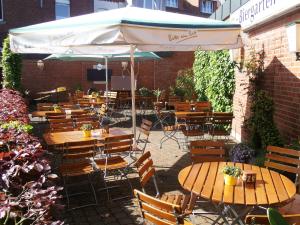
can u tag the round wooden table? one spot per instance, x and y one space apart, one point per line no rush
206 180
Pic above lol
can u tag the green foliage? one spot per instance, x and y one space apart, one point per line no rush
232 171
11 66
86 127
261 124
185 84
214 79
18 126
145 92
157 93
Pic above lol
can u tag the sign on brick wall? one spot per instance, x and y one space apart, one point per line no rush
256 12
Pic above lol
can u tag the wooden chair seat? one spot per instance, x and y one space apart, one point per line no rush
293 207
78 169
113 163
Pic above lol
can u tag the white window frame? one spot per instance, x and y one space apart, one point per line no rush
204 9
63 2
172 5
2 11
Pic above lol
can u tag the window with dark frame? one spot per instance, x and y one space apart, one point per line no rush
207 7
172 3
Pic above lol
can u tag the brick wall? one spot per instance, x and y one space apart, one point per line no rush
151 74
281 79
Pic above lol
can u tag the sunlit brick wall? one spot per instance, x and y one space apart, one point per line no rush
281 79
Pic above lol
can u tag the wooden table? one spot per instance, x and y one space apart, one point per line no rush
207 181
60 138
43 113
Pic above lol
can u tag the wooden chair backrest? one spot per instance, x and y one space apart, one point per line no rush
77 113
207 151
145 168
172 100
222 118
95 124
118 144
158 212
44 106
61 125
193 120
283 159
203 106
146 127
263 219
79 149
182 107
53 115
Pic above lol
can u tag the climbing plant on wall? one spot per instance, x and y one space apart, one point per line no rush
263 130
214 79
11 67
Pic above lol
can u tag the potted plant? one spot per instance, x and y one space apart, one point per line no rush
87 128
231 174
56 108
157 93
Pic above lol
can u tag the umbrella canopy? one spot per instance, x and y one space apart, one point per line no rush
101 57
113 31
126 30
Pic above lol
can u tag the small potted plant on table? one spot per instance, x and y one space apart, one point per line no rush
56 108
87 129
231 174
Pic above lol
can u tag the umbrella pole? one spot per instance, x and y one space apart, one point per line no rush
106 80
132 48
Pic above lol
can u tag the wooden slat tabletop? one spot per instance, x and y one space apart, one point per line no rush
43 113
206 180
60 138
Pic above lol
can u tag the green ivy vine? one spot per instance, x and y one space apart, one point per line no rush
214 79
11 66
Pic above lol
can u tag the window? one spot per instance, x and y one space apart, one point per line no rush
148 4
207 7
172 3
1 10
62 9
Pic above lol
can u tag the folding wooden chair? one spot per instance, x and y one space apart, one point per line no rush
221 124
143 137
202 106
182 107
194 126
116 149
61 125
76 163
288 161
146 171
160 212
207 151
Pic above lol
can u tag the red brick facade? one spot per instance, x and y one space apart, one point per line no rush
281 79
151 74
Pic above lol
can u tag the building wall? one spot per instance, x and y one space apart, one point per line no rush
281 79
151 74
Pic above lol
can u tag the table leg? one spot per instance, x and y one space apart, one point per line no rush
221 213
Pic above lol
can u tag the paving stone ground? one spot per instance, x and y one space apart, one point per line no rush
168 161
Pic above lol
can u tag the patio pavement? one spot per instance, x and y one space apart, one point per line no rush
168 161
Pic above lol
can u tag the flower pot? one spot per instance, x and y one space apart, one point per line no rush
87 133
106 129
230 180
57 110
